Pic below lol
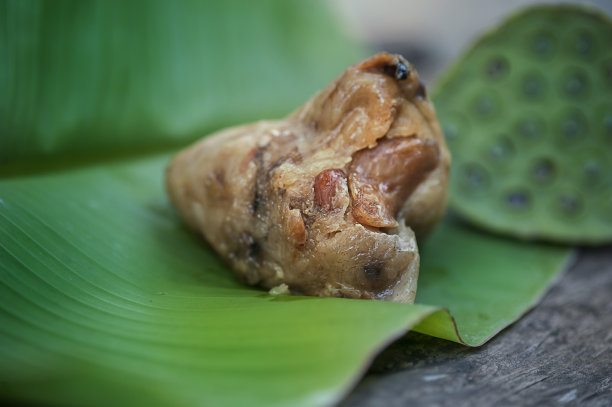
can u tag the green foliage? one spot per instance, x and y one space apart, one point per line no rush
116 77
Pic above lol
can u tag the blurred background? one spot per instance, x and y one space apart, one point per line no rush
430 34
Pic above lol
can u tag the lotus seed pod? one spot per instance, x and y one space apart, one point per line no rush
527 114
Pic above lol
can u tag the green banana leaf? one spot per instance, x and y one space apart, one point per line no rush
118 78
105 297
105 294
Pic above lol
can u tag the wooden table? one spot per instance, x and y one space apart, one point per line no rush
559 354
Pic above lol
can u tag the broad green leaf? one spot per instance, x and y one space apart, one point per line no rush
485 281
105 298
119 77
105 295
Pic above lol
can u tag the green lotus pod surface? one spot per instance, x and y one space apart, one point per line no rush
527 113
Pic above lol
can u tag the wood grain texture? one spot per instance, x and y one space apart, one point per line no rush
560 354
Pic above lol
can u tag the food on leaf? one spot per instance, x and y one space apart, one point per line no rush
329 199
